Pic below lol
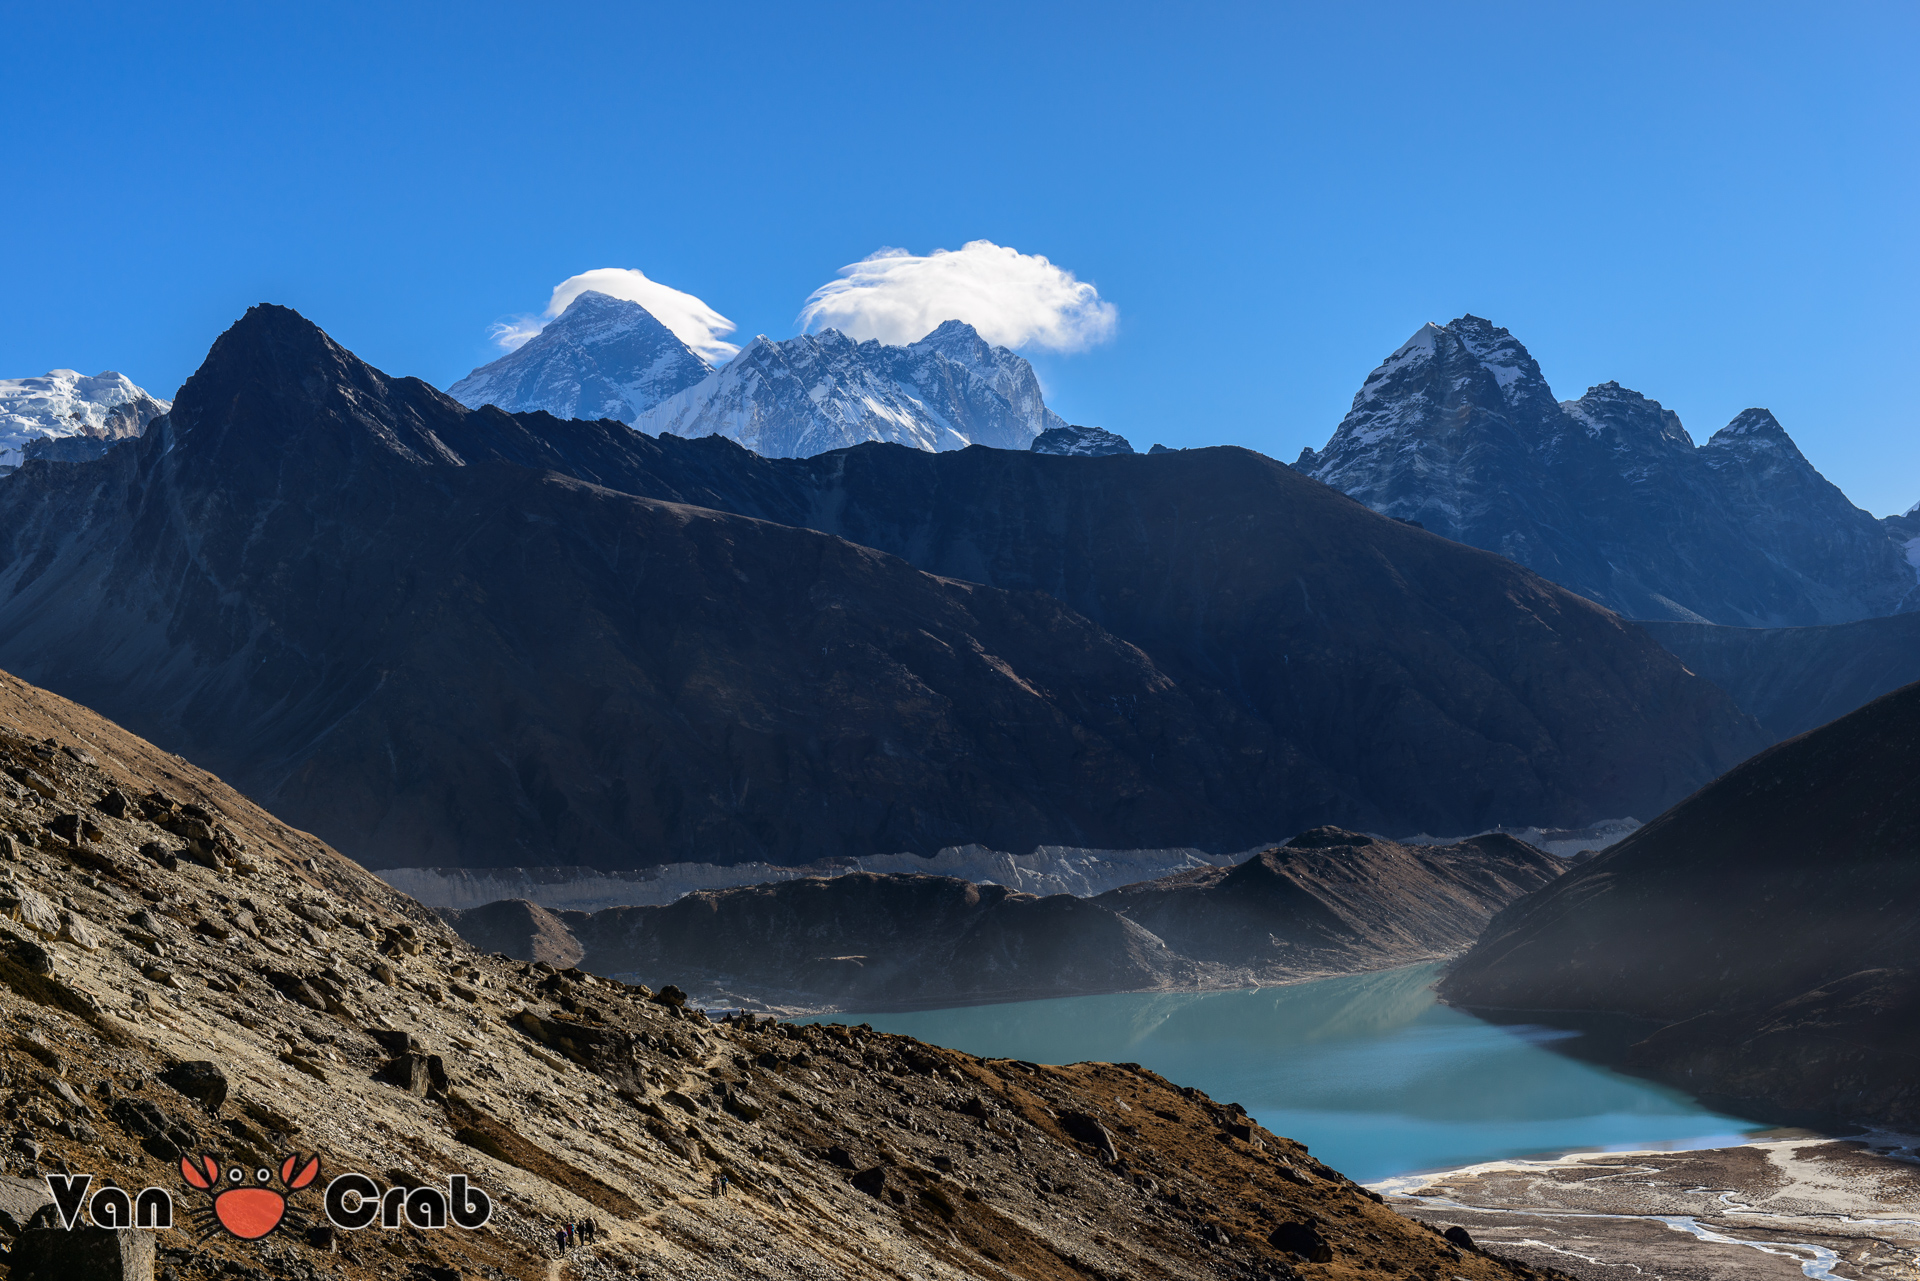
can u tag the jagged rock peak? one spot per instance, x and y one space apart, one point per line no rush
603 357
1754 424
1084 442
1627 417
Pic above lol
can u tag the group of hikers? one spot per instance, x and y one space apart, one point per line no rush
579 1232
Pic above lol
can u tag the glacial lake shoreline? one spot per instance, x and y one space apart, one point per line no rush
1369 1070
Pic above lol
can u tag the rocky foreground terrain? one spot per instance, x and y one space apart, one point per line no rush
182 973
1327 902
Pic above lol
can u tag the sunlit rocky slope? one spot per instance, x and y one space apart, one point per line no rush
180 972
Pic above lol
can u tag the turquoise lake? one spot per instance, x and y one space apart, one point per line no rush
1368 1070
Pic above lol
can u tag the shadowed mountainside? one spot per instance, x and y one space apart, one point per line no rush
1792 679
1761 934
1328 902
453 637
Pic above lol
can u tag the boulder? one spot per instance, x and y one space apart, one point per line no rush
48 1252
20 1199
393 1040
1302 1239
415 1073
872 1181
670 995
1089 1131
200 1080
30 908
76 930
1460 1237
117 804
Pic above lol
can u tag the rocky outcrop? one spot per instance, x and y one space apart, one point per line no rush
444 637
1793 679
1082 442
559 1095
1607 494
1752 942
1329 902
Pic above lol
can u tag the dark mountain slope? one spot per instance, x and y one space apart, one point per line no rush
1793 679
1763 932
484 663
1331 902
440 636
1441 682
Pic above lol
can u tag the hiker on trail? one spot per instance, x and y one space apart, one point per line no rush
723 1184
593 1230
560 1237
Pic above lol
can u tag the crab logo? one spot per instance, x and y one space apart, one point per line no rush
247 1207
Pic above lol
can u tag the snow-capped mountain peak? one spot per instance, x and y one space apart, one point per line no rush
66 403
603 357
816 392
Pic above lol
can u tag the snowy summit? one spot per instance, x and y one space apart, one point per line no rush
603 357
824 391
66 404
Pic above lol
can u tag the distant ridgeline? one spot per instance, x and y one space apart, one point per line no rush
450 637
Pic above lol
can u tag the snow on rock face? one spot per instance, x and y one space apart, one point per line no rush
1084 442
603 357
66 403
1608 494
819 392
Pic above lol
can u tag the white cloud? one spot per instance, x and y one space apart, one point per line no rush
691 320
1013 299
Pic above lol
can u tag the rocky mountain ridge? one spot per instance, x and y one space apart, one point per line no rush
453 637
181 973
1607 494
819 392
602 357
1328 902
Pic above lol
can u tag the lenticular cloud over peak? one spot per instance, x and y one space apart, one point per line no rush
1012 299
692 321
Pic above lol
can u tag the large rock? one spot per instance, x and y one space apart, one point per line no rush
48 1252
201 1080
20 1200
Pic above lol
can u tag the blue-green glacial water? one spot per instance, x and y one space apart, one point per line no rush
1367 1070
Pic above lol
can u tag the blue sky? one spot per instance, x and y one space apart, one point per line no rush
1714 205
